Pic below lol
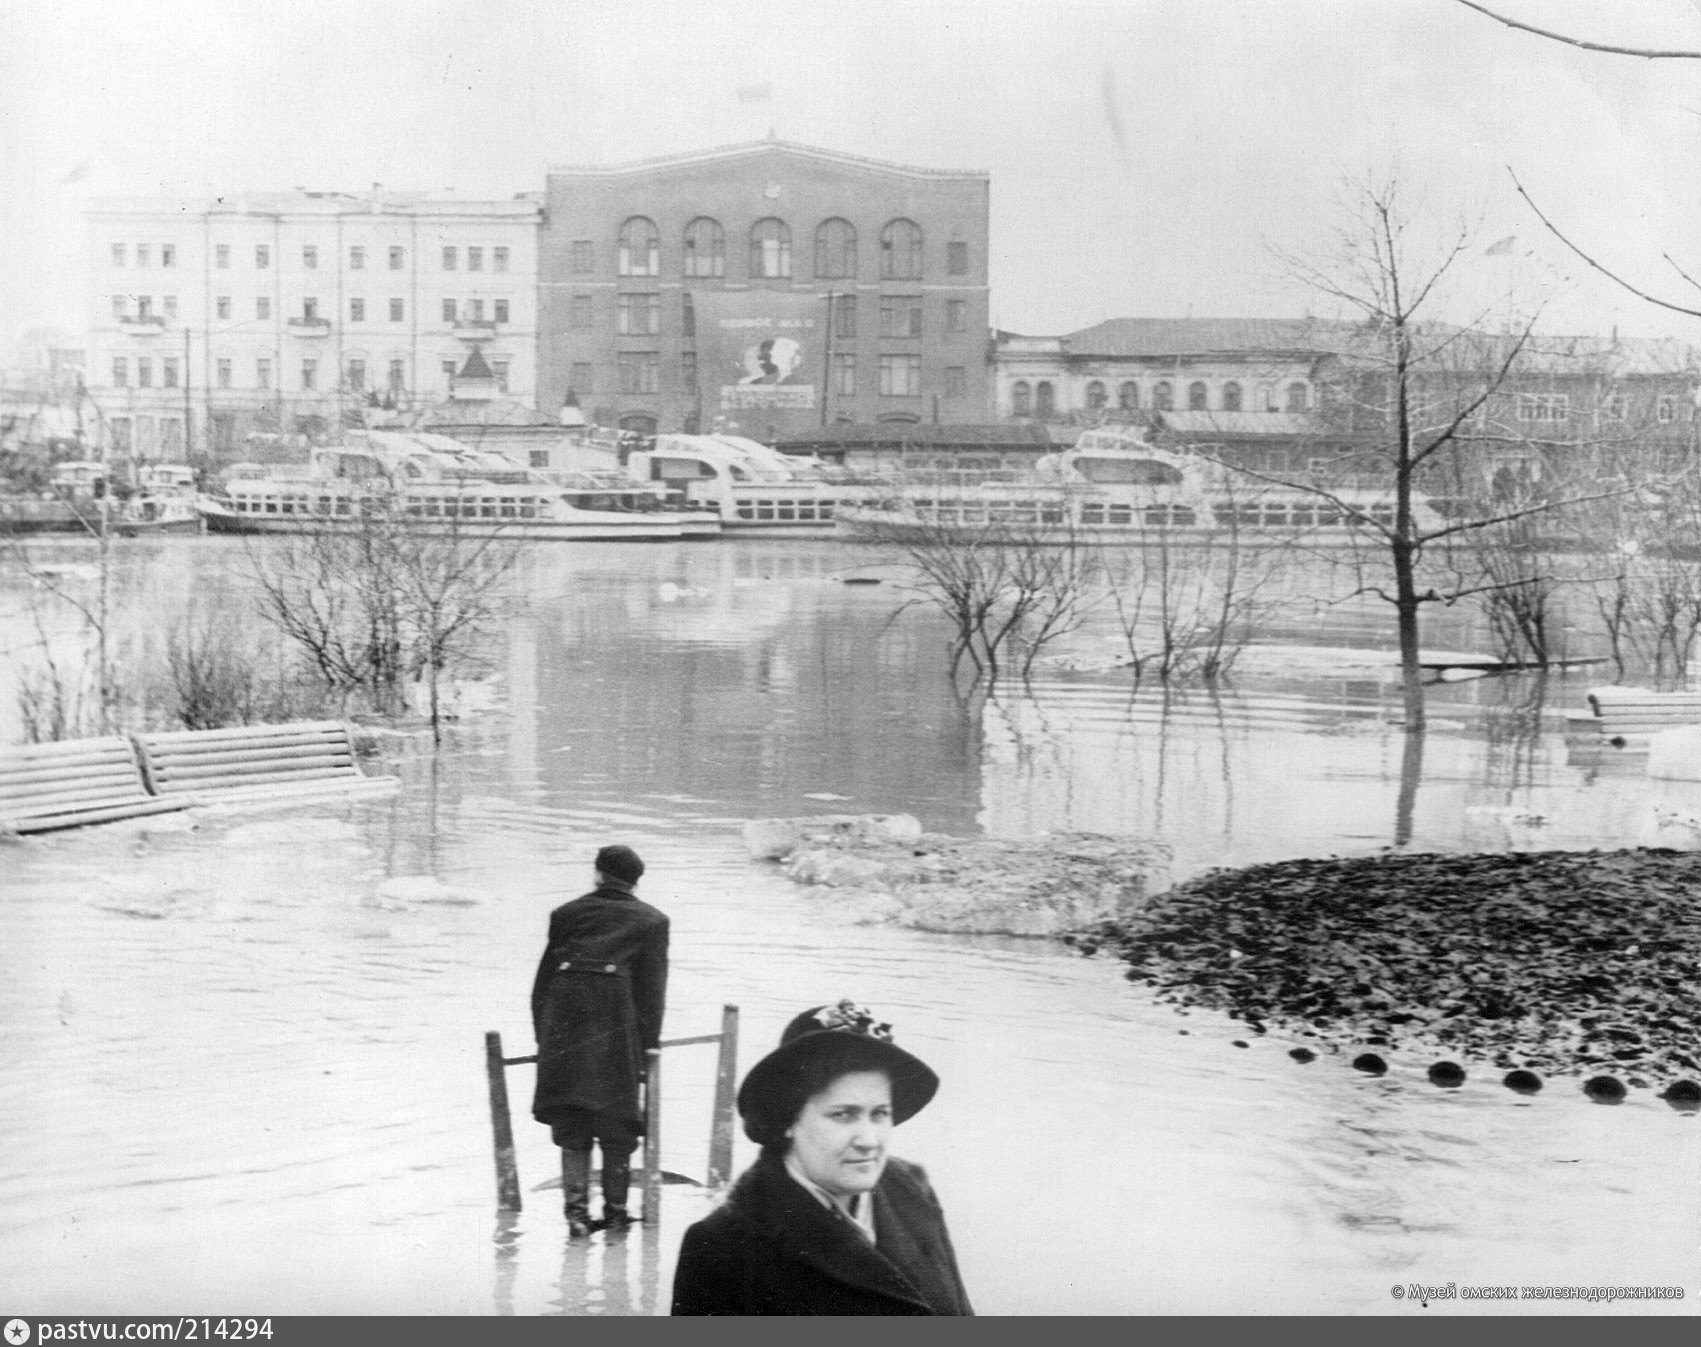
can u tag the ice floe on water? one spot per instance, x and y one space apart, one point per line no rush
407 890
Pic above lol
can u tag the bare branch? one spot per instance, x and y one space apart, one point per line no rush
1646 53
1546 507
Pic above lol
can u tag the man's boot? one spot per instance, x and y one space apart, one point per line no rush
616 1180
576 1189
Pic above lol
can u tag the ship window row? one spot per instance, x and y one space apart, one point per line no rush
783 511
418 507
703 250
1266 514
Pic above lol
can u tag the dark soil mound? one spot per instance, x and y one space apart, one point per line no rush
1565 962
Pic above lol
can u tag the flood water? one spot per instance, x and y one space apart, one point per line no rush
243 1061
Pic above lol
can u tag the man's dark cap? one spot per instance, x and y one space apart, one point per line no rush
619 862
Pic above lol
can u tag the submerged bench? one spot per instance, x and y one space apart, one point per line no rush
256 762
1622 715
73 782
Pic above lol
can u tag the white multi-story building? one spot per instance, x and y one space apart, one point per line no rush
210 320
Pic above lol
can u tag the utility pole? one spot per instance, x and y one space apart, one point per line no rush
827 362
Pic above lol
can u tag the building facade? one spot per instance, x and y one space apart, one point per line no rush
772 286
278 314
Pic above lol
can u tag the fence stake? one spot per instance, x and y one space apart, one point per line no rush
507 1170
652 1138
726 1073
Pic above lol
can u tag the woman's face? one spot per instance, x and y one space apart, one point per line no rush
840 1137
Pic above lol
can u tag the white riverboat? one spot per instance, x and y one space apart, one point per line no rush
1112 487
748 486
440 485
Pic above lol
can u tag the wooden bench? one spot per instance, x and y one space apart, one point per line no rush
256 762
1629 715
73 782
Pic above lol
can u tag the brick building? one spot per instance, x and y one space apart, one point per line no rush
775 285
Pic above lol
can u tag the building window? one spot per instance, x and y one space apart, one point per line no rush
583 257
583 378
221 256
638 315
144 372
1231 397
1197 397
310 310
357 376
357 310
956 315
475 259
1128 396
168 254
262 256
309 375
398 257
539 457
121 433
223 371
168 372
900 316
396 310
638 371
957 381
144 306
171 436
501 307
499 259
900 251
1665 410
705 248
1267 398
118 254
120 306
356 258
1163 397
398 376
1021 398
835 249
141 254
688 371
1097 395
770 249
1614 407
263 374
580 313
448 311
120 372
448 259
309 257
687 315
1045 398
640 248
900 376
500 369
844 318
221 306
957 259
263 306
475 310
1299 398
170 302
844 375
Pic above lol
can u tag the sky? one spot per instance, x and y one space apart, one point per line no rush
1148 157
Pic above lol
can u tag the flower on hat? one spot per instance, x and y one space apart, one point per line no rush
849 1016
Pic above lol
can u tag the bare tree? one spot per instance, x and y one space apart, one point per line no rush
1645 53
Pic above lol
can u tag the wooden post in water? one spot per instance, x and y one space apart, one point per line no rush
652 1138
726 1076
507 1170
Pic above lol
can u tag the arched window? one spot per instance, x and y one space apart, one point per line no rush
1021 398
1196 397
770 249
1128 396
1045 398
1096 395
1231 397
640 248
1299 397
1163 397
900 251
705 248
835 249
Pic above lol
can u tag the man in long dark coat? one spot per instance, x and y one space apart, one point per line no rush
597 1007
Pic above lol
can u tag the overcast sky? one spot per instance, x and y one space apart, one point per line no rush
1144 154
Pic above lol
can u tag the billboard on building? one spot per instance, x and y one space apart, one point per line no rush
761 350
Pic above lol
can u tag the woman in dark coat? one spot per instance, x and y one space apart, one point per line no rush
597 1005
826 1222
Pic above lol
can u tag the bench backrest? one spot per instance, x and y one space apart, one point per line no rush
73 776
247 755
1638 711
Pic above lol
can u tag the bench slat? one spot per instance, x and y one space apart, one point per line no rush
254 767
67 748
10 785
147 804
167 738
181 761
35 802
209 783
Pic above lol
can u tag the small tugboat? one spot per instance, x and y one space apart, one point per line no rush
81 500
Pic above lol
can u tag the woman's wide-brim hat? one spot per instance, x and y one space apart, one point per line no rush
776 1087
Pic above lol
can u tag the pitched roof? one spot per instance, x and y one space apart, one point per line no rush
1200 336
475 367
755 147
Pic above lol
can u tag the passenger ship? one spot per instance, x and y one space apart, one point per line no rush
750 487
442 486
1114 487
